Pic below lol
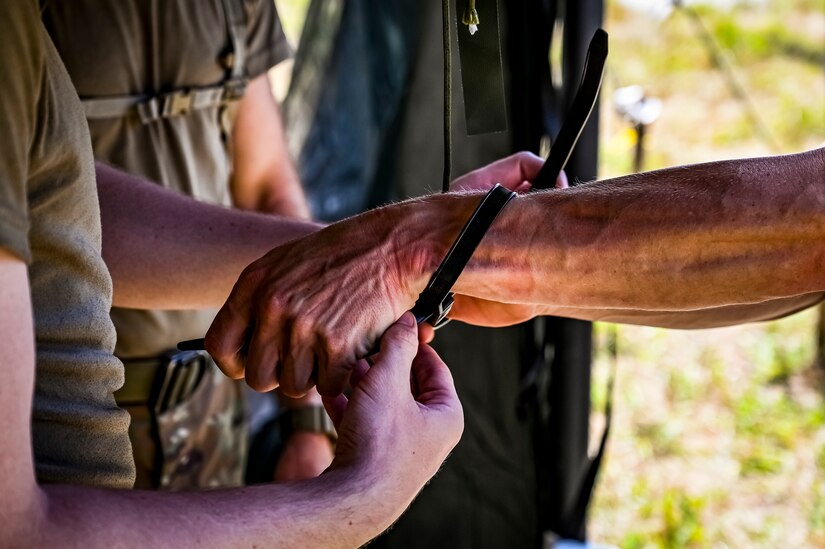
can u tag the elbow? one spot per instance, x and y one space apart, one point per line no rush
25 521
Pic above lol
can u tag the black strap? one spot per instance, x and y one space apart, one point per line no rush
579 112
435 301
588 483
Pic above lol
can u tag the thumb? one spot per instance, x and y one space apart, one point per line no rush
398 348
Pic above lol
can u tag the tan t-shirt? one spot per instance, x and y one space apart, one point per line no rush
129 47
49 216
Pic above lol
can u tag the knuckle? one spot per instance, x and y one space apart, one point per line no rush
302 328
259 384
273 303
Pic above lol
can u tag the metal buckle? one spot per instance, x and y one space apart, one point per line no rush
234 90
176 103
170 104
439 318
181 376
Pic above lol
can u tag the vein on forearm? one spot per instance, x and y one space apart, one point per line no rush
725 233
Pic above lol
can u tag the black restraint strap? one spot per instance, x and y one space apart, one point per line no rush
578 114
436 300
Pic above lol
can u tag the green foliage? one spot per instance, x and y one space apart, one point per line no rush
817 514
777 53
681 517
660 438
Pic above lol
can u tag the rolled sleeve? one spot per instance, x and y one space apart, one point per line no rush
266 42
22 55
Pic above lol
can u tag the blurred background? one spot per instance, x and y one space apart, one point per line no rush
719 435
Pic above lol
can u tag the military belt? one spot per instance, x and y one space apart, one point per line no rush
162 382
165 105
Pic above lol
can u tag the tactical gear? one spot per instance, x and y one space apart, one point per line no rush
187 422
160 82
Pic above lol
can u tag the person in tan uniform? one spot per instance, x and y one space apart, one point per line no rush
65 459
178 93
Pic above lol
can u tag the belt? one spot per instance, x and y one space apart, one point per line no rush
162 382
150 108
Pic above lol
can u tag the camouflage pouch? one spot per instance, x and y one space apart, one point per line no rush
192 434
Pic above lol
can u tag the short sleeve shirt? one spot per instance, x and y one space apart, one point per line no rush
49 217
118 48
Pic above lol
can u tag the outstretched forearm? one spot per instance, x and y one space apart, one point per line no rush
313 513
168 251
675 241
694 246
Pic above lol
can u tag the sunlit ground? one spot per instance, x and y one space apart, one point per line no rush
719 435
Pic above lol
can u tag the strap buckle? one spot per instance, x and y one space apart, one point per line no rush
435 302
234 89
438 317
175 103
180 377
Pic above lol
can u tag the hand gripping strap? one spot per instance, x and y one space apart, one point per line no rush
436 300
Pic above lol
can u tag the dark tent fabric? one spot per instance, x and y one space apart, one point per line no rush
368 126
346 99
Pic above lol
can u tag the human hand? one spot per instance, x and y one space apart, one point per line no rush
515 172
308 310
481 312
305 455
403 416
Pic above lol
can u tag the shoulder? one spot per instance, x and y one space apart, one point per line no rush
266 42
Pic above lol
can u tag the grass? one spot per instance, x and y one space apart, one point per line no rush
777 50
719 435
710 447
719 438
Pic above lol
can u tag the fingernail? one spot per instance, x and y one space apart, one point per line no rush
407 319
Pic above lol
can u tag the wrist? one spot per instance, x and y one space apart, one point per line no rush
361 490
423 231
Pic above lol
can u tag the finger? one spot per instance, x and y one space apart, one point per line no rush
336 407
398 347
512 171
492 314
358 372
426 332
262 361
298 363
227 336
561 182
524 188
432 379
333 370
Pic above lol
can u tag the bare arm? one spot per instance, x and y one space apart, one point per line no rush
681 239
692 247
264 178
382 462
189 254
727 242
